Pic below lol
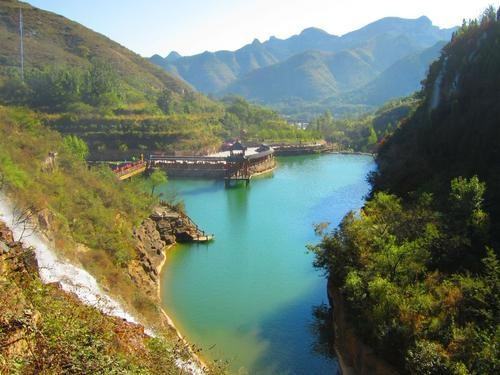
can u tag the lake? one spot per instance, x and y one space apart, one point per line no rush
249 296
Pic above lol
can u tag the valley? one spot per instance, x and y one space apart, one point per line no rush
316 203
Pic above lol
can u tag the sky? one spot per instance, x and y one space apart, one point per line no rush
193 26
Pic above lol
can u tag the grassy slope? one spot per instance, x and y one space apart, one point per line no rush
85 206
45 330
51 40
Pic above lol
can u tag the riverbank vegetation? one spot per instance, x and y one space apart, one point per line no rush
418 265
89 217
367 132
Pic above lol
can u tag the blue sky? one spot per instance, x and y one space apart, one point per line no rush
194 26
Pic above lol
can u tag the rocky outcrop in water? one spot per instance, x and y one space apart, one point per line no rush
162 229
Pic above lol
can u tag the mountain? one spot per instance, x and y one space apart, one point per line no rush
211 72
455 131
310 66
310 76
401 79
52 39
119 103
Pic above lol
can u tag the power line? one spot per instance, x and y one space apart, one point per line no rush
22 44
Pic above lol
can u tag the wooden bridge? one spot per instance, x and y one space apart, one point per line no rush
232 166
128 170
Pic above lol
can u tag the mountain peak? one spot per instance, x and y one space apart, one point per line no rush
256 42
313 31
172 56
424 20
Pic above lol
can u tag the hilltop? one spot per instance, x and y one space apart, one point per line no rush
54 40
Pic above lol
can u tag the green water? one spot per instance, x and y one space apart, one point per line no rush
248 297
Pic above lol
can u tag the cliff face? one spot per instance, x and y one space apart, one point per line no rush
154 236
355 357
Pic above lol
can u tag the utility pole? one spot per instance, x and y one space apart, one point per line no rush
22 45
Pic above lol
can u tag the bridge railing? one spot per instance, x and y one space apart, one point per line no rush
128 168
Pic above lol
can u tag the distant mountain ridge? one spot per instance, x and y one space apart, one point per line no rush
313 65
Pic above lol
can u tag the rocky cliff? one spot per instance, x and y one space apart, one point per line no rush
154 236
355 357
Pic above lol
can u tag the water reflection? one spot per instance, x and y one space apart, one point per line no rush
322 330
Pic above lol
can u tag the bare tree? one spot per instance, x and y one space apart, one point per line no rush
23 218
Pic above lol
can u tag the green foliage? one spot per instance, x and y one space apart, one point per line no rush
428 358
255 124
416 266
44 330
101 84
76 146
421 307
90 207
466 199
10 175
366 132
454 130
157 178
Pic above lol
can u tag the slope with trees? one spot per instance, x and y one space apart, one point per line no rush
418 266
89 86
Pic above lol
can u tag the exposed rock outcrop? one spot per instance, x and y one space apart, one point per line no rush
175 226
161 230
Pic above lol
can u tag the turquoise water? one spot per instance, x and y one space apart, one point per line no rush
248 296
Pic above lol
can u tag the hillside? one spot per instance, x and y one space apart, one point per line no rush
309 76
118 102
417 269
455 131
65 335
313 65
367 132
400 79
53 40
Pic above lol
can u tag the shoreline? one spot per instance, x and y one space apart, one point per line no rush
198 359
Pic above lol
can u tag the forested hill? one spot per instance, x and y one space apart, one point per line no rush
418 267
55 46
456 131
51 39
121 104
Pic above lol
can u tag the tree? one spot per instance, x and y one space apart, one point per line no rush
466 200
165 101
157 178
489 15
76 146
101 83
